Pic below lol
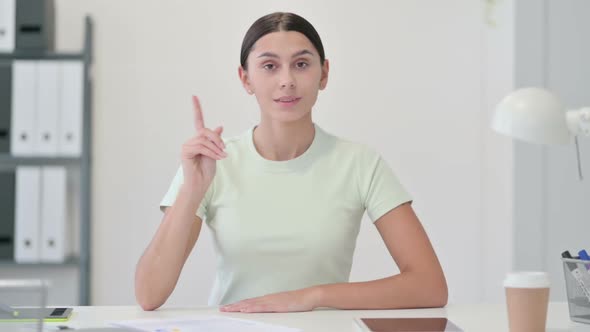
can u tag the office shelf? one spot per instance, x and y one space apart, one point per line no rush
31 55
71 261
10 162
83 163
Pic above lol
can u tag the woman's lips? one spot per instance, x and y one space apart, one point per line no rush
287 102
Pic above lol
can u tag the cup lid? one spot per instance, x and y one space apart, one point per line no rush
527 279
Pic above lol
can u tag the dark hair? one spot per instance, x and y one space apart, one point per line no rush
279 21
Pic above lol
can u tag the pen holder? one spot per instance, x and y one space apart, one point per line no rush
577 284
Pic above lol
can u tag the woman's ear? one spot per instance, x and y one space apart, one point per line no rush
243 74
324 77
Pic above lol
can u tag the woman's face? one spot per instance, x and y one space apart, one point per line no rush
285 74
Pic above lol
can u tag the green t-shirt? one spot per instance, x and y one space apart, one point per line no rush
285 225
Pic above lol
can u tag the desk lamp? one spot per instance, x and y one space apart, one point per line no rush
536 115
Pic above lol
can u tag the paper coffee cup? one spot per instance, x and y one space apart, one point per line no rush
527 298
527 280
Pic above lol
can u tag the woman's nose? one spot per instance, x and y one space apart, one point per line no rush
287 80
291 84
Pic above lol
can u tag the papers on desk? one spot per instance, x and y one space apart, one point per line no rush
202 324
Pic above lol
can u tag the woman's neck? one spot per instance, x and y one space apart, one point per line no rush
280 141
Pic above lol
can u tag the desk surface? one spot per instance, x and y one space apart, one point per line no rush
475 317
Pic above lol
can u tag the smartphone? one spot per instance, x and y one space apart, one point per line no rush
31 314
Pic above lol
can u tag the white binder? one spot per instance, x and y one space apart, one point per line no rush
26 214
54 243
72 100
24 105
7 24
48 104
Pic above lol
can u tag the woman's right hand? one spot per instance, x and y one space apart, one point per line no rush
201 152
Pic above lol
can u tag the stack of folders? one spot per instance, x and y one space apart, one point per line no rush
36 219
41 230
26 25
42 110
41 115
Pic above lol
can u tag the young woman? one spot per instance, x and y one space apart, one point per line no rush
285 199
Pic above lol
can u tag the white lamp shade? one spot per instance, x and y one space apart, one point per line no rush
534 115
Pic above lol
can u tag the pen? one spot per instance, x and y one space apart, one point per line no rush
571 266
8 309
584 256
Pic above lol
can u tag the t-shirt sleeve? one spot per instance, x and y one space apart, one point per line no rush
172 192
381 191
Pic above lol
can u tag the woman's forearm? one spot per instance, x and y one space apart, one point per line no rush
405 290
159 268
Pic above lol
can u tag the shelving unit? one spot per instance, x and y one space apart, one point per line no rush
83 163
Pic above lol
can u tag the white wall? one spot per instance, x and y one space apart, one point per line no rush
496 150
407 77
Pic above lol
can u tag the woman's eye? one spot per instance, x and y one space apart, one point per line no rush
268 66
301 64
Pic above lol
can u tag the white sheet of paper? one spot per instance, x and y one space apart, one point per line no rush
202 324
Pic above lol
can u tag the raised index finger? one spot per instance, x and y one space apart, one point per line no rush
199 122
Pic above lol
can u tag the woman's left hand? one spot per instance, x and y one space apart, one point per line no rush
292 301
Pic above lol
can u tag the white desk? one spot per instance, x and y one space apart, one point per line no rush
477 317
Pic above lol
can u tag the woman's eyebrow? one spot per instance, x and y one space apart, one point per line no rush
274 55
